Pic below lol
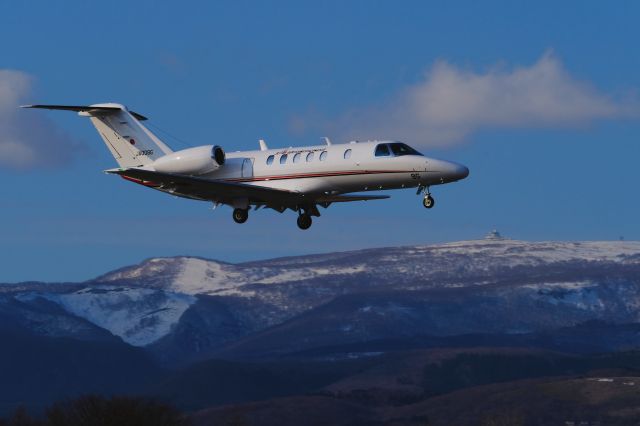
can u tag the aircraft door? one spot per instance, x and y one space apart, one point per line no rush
247 168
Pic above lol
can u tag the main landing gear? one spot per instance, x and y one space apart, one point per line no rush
304 221
304 218
304 215
240 215
428 201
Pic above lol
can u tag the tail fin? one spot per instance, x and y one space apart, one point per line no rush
128 140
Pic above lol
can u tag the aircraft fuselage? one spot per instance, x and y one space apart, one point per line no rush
344 168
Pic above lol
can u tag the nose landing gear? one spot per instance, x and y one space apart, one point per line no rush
428 201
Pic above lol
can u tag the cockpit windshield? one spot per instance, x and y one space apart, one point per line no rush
399 148
382 150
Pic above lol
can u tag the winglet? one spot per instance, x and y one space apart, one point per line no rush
327 140
263 145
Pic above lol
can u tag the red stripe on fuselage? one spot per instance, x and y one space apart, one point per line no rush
141 182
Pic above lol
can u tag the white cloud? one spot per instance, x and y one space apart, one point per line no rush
450 103
28 139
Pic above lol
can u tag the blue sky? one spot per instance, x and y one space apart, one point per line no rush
539 100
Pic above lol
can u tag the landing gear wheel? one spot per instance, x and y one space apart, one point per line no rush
304 221
240 215
428 202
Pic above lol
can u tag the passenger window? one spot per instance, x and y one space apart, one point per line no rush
323 156
309 157
283 158
382 150
296 158
270 160
347 154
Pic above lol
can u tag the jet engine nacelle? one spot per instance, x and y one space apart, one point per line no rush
191 161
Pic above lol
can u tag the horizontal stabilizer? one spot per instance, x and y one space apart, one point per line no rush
122 131
85 108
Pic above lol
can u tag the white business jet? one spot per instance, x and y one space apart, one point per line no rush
299 179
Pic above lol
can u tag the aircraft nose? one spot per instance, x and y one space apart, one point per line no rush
446 171
461 171
456 171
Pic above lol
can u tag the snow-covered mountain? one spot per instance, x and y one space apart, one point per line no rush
186 307
452 261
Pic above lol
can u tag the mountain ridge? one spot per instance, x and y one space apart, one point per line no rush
510 286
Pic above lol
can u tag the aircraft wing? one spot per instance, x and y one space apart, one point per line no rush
225 192
347 198
212 190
